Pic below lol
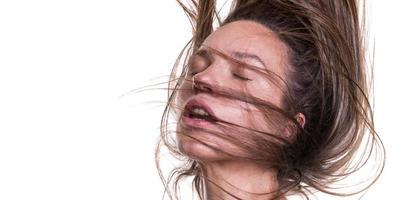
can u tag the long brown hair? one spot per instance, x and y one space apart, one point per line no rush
327 82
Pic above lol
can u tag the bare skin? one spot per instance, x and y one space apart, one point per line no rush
241 178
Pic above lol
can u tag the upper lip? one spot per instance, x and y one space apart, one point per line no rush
199 103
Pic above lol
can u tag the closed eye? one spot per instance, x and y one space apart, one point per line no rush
241 77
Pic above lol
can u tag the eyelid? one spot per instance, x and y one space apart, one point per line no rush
205 57
240 72
241 77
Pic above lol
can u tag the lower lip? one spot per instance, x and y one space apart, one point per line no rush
195 122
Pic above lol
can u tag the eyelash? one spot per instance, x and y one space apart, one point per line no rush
235 75
241 77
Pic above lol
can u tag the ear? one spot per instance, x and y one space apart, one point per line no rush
289 131
301 119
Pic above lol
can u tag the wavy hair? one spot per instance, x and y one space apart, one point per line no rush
328 81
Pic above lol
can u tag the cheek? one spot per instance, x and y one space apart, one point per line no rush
261 116
267 91
252 118
185 89
261 120
255 119
182 93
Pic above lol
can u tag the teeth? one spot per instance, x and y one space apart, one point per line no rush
200 111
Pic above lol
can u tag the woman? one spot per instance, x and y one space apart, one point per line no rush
272 103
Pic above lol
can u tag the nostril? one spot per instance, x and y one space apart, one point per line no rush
201 86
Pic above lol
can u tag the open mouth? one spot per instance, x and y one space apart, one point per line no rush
197 111
199 114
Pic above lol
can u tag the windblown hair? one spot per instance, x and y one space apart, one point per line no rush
327 81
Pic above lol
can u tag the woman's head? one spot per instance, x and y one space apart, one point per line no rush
213 69
284 85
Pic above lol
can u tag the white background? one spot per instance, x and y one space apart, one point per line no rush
67 131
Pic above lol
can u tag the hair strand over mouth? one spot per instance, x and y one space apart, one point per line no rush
326 81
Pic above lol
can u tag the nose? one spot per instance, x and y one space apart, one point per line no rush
199 85
209 79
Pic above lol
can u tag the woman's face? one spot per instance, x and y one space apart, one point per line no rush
245 41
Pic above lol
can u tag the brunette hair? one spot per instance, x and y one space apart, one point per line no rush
327 81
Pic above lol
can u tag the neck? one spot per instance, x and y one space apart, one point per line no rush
244 180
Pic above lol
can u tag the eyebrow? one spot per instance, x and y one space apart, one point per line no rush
242 55
237 54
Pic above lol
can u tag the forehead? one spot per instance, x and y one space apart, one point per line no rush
250 37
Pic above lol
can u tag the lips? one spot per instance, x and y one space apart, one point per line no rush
192 118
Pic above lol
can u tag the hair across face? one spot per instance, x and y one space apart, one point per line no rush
257 50
286 84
